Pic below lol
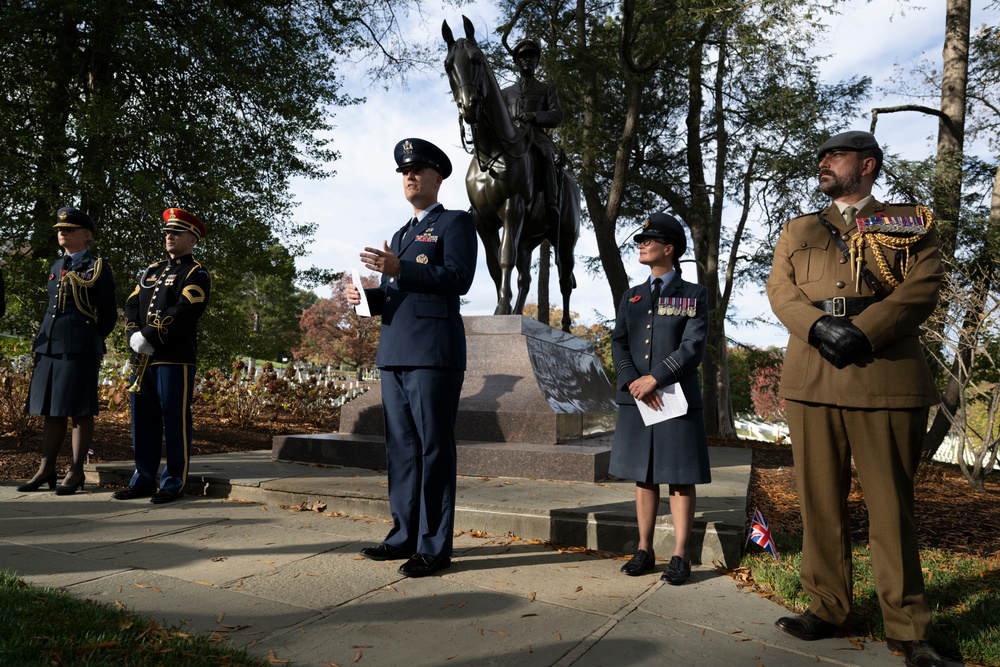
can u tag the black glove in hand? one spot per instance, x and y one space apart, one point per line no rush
844 343
832 356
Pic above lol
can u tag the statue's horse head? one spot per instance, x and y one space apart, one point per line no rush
469 73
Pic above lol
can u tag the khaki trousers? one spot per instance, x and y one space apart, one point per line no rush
885 445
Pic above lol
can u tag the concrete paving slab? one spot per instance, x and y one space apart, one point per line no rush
571 579
218 552
47 567
321 582
437 621
199 607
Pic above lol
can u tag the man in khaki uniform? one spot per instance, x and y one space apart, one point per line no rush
853 283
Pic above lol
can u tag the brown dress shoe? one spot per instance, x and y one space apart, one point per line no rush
918 653
808 627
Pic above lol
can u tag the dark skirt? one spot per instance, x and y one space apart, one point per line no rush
64 385
671 452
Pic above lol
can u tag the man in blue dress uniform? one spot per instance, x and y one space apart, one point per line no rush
425 270
161 325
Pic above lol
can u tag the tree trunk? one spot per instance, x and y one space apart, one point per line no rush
948 176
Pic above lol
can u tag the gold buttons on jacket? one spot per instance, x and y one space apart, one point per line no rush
840 284
647 341
805 244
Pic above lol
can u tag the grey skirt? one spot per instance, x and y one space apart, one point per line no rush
64 385
671 452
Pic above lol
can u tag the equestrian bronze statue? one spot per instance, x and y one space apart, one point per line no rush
506 186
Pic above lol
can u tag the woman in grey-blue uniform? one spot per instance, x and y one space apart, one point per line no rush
68 349
659 340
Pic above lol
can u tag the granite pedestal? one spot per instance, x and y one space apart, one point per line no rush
535 403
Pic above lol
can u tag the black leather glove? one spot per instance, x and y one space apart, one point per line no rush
838 340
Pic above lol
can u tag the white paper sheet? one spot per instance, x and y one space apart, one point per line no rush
362 309
674 405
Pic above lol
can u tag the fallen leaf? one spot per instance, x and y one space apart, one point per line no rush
152 588
357 657
274 660
222 615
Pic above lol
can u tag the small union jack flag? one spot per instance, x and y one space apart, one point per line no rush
760 533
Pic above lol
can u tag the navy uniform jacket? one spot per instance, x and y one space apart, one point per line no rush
421 322
165 307
669 347
82 309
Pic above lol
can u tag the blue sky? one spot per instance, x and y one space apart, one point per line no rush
363 203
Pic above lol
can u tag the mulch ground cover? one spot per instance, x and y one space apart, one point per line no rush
950 514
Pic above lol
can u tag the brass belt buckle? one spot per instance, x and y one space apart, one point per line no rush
839 306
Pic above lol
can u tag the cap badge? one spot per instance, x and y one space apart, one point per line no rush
63 215
407 146
645 225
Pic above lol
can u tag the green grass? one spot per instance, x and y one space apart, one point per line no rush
43 626
963 591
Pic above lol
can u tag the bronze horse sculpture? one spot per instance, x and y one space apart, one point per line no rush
504 191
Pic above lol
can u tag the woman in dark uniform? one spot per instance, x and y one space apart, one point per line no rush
659 340
68 350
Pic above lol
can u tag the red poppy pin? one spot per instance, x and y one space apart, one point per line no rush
635 298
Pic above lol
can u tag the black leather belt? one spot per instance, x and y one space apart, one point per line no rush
846 306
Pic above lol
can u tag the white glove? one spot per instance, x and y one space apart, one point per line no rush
139 343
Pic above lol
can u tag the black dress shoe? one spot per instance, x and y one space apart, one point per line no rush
642 561
70 489
130 492
34 485
808 626
677 572
422 565
385 552
164 496
918 653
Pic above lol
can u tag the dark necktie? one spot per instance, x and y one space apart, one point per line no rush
657 282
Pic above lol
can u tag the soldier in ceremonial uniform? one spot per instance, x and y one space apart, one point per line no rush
535 104
658 341
853 283
161 324
425 270
68 350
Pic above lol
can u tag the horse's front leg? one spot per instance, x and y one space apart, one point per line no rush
490 235
524 249
512 214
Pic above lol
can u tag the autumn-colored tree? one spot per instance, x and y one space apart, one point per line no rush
332 333
764 389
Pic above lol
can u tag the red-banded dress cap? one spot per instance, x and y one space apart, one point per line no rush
179 219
